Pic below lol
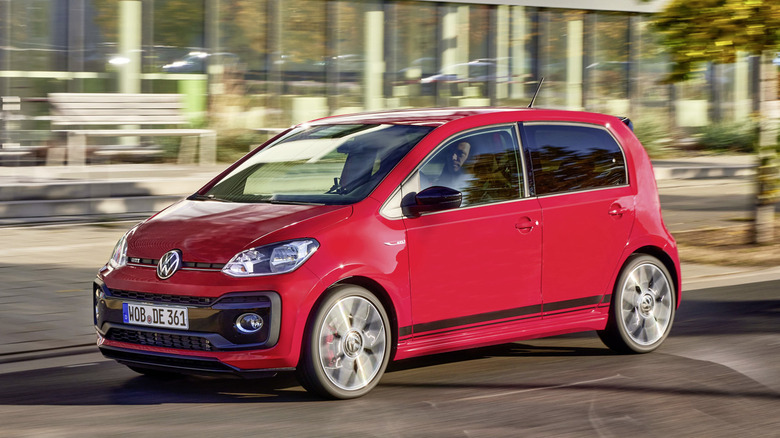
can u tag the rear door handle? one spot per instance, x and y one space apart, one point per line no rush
618 210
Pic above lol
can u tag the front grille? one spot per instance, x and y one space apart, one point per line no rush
158 298
152 263
160 339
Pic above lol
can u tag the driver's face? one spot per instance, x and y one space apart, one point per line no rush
459 156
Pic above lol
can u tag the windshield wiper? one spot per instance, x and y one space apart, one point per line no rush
199 197
277 201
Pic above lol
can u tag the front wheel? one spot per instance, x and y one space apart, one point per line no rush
643 307
347 344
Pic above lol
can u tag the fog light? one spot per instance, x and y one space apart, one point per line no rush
98 297
249 323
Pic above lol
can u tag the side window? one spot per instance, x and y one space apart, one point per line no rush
568 158
483 165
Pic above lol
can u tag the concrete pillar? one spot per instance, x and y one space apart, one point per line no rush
130 19
518 53
374 59
130 46
574 53
455 40
503 54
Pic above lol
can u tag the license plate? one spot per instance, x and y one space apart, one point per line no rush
155 316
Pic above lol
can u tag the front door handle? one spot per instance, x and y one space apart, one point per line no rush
526 224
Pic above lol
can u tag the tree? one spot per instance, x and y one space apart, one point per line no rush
696 31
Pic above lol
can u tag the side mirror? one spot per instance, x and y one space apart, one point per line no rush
436 198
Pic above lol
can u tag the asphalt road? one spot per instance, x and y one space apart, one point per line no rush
717 375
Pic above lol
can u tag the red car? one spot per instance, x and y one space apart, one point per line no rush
349 241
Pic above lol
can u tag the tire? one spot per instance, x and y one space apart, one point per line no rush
643 306
347 344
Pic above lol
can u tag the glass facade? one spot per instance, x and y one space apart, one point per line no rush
261 65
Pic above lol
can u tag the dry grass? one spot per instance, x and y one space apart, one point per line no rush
732 246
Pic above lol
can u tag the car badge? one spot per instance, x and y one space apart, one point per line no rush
169 264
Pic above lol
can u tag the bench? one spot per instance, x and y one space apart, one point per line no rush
82 115
14 154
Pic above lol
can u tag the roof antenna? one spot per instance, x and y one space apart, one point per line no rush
538 87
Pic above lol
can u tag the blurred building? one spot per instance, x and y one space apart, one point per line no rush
245 64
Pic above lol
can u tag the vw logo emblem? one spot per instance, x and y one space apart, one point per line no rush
169 264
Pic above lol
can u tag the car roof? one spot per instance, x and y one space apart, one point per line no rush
435 117
418 116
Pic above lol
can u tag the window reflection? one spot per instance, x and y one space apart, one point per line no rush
569 158
482 165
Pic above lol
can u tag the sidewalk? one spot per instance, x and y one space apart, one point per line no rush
710 166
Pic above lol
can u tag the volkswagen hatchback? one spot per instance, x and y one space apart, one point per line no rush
350 241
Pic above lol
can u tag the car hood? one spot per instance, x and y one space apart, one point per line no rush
213 232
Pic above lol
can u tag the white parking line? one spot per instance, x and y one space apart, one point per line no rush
522 391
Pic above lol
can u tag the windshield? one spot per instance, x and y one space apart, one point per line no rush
326 164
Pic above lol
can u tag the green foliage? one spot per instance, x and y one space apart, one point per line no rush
729 136
232 146
653 135
696 31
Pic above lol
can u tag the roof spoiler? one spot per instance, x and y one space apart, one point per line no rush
626 121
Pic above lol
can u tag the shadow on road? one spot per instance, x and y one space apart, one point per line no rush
576 362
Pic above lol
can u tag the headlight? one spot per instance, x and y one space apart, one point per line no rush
119 256
278 258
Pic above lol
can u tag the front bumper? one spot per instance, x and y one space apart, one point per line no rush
211 344
178 363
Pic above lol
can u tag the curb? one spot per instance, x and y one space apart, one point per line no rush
709 276
693 172
49 353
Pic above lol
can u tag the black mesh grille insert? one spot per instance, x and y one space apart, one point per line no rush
160 339
152 263
158 298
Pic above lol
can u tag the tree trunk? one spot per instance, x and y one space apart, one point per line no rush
767 190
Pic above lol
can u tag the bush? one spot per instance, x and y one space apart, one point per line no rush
655 136
729 136
232 146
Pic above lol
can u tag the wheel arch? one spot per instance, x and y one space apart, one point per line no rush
668 262
372 286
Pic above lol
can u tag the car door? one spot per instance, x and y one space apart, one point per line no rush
581 182
479 263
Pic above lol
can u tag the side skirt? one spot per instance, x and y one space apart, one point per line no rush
502 331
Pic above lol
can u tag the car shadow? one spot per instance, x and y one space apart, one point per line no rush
717 313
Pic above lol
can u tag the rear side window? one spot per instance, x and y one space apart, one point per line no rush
567 158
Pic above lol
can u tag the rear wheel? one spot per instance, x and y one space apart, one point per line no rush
643 306
347 344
